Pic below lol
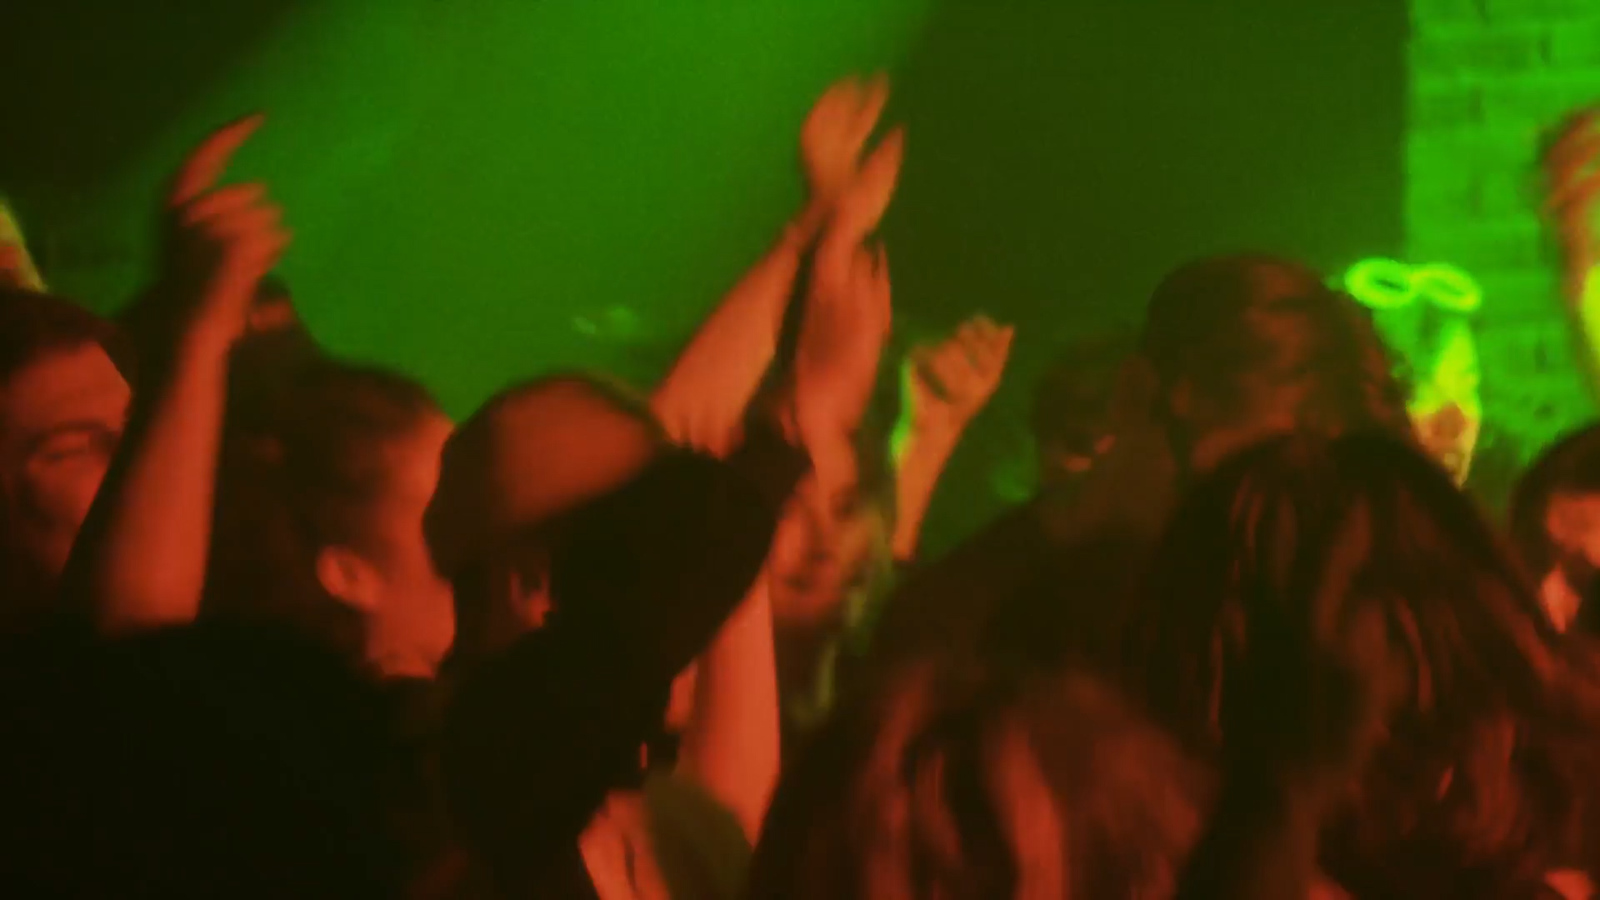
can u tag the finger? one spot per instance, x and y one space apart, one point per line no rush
883 298
223 201
991 354
254 221
874 96
206 164
954 373
876 184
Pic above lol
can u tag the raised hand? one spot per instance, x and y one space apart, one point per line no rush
1572 171
945 384
836 362
220 241
836 131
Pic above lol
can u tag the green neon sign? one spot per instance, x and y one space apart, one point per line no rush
1383 284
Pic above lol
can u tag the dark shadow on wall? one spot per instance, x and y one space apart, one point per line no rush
1062 156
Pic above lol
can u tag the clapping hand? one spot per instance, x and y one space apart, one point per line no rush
219 241
835 134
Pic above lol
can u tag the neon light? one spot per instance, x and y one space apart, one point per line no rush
1380 283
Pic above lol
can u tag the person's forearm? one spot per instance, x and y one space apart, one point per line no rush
140 559
703 398
731 746
918 465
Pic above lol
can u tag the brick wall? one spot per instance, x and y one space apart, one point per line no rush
1488 79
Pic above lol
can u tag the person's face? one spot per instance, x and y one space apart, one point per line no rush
1572 522
413 618
819 547
61 417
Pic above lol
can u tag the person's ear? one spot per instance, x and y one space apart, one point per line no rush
349 578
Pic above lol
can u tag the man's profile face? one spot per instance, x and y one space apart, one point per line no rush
61 417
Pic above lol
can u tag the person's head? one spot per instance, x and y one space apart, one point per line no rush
1244 347
320 516
1486 678
830 548
1555 522
971 784
511 472
63 404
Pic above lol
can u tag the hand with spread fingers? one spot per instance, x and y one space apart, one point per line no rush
220 242
945 384
1572 172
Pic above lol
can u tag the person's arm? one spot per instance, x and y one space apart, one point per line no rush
140 559
701 402
535 737
702 399
731 745
942 387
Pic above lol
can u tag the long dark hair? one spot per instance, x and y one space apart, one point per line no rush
963 780
300 476
1476 781
1221 328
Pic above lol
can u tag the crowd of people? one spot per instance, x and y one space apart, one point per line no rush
276 626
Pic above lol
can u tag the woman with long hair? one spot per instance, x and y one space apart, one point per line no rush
1472 792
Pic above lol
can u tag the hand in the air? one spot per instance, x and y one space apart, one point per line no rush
836 362
220 241
836 131
1572 171
945 384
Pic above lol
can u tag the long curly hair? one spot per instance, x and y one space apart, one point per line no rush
1473 791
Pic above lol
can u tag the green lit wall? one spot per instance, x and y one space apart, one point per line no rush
1488 78
482 191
